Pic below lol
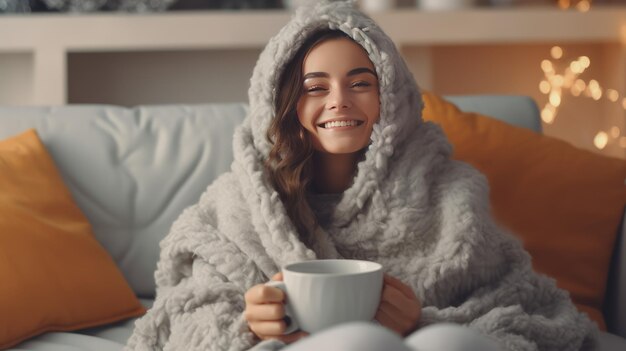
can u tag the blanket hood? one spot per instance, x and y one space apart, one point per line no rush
401 101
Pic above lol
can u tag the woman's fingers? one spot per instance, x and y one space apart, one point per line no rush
402 322
278 276
404 306
266 329
385 318
265 312
399 307
398 284
264 294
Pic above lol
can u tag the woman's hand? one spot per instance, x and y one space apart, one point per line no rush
399 308
265 311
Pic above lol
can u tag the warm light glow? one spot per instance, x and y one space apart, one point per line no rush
578 87
612 95
555 99
544 86
594 89
556 85
615 132
596 94
583 5
548 114
558 80
556 52
576 67
585 61
546 66
580 84
601 140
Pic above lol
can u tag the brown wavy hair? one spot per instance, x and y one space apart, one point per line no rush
289 162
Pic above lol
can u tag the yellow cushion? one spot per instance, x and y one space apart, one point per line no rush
565 203
54 275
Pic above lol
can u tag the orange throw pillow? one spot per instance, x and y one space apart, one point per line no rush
54 275
565 203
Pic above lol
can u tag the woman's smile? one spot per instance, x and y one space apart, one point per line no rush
340 125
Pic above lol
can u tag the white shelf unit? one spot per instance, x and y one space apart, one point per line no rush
54 59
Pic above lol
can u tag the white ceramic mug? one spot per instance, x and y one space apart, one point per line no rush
324 293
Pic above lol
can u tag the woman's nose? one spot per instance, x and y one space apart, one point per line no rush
338 99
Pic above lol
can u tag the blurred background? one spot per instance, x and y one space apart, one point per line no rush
569 55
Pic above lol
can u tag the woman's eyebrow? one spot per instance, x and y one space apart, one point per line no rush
315 75
361 70
352 72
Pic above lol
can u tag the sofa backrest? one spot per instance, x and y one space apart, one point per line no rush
133 171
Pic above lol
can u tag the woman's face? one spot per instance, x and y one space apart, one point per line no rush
340 102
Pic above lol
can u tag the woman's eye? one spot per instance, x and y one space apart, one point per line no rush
314 89
361 84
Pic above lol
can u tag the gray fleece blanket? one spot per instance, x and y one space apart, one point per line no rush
423 216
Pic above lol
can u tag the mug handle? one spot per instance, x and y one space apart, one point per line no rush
292 326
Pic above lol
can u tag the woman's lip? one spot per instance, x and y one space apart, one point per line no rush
358 121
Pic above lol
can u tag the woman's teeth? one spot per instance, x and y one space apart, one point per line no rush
340 124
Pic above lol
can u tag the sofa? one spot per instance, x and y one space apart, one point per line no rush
132 171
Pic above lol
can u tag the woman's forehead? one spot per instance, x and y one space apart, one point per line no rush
336 55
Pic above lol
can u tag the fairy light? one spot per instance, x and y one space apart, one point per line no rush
583 5
580 5
615 132
578 87
555 99
556 52
547 116
601 140
546 66
556 84
564 4
544 86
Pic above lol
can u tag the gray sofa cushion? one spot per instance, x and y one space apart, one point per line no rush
126 170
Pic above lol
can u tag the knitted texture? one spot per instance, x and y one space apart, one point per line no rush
423 216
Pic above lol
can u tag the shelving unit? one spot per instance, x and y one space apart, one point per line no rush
53 59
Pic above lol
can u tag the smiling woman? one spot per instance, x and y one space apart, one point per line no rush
334 161
326 109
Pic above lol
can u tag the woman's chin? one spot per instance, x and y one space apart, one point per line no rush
340 149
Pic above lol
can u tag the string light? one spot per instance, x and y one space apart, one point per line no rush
556 52
612 95
615 132
554 85
581 5
601 140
